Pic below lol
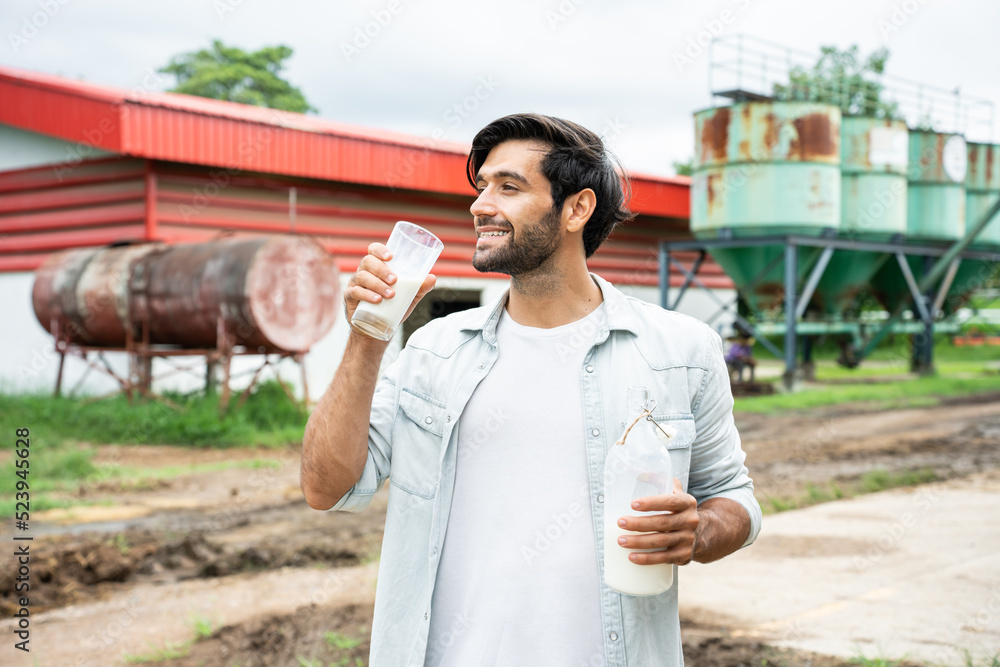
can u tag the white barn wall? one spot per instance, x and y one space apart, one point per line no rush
20 149
29 363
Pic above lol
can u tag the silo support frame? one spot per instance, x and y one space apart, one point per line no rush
949 278
140 354
956 252
690 277
911 283
813 282
927 299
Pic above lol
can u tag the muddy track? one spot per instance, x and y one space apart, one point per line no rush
788 454
75 568
277 577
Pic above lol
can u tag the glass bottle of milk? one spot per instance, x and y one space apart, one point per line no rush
638 465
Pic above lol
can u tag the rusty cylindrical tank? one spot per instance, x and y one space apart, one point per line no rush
83 294
272 294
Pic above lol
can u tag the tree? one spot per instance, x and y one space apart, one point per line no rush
685 168
229 73
843 79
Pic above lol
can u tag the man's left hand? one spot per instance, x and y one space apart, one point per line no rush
673 534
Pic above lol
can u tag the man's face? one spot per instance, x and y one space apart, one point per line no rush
517 227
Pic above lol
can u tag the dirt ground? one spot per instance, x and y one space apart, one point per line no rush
237 557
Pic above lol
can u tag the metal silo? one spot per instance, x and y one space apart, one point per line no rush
982 183
936 193
765 169
935 209
874 159
982 188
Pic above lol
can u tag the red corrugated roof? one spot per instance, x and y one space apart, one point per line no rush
195 130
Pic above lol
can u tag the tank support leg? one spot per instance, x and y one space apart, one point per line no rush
808 367
301 358
224 399
791 353
59 373
923 343
210 367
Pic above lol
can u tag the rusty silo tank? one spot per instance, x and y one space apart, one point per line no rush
269 294
765 168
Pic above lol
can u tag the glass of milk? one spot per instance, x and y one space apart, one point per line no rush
414 251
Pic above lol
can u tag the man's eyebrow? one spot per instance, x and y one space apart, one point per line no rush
504 173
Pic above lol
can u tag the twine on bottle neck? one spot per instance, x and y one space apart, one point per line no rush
648 414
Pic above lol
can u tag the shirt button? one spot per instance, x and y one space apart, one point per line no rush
448 419
428 420
590 369
425 615
600 497
596 432
482 365
613 635
435 551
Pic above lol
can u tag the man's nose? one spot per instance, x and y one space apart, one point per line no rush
484 206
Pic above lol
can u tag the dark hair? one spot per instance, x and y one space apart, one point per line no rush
576 160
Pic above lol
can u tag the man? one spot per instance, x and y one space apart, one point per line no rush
493 425
740 354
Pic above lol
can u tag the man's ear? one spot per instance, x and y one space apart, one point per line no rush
578 208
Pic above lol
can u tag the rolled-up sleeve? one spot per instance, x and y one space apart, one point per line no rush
717 456
384 405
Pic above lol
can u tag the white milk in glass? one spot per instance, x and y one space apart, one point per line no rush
414 251
391 311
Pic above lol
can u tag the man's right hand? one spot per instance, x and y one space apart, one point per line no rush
374 279
335 441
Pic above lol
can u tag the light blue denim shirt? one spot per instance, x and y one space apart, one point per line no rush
413 438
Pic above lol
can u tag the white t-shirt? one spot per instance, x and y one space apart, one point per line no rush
518 582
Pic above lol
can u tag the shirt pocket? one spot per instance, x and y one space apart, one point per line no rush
416 444
680 445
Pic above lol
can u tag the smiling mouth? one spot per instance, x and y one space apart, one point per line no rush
484 235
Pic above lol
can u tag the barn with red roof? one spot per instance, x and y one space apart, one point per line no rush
88 165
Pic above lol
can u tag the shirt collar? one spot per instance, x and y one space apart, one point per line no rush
619 315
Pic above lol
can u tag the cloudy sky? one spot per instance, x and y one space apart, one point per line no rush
633 70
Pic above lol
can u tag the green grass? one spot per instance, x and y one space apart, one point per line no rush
50 468
268 418
915 392
988 660
339 641
60 469
62 432
870 482
874 662
880 480
204 627
169 651
829 370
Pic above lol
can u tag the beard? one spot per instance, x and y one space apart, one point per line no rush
523 251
